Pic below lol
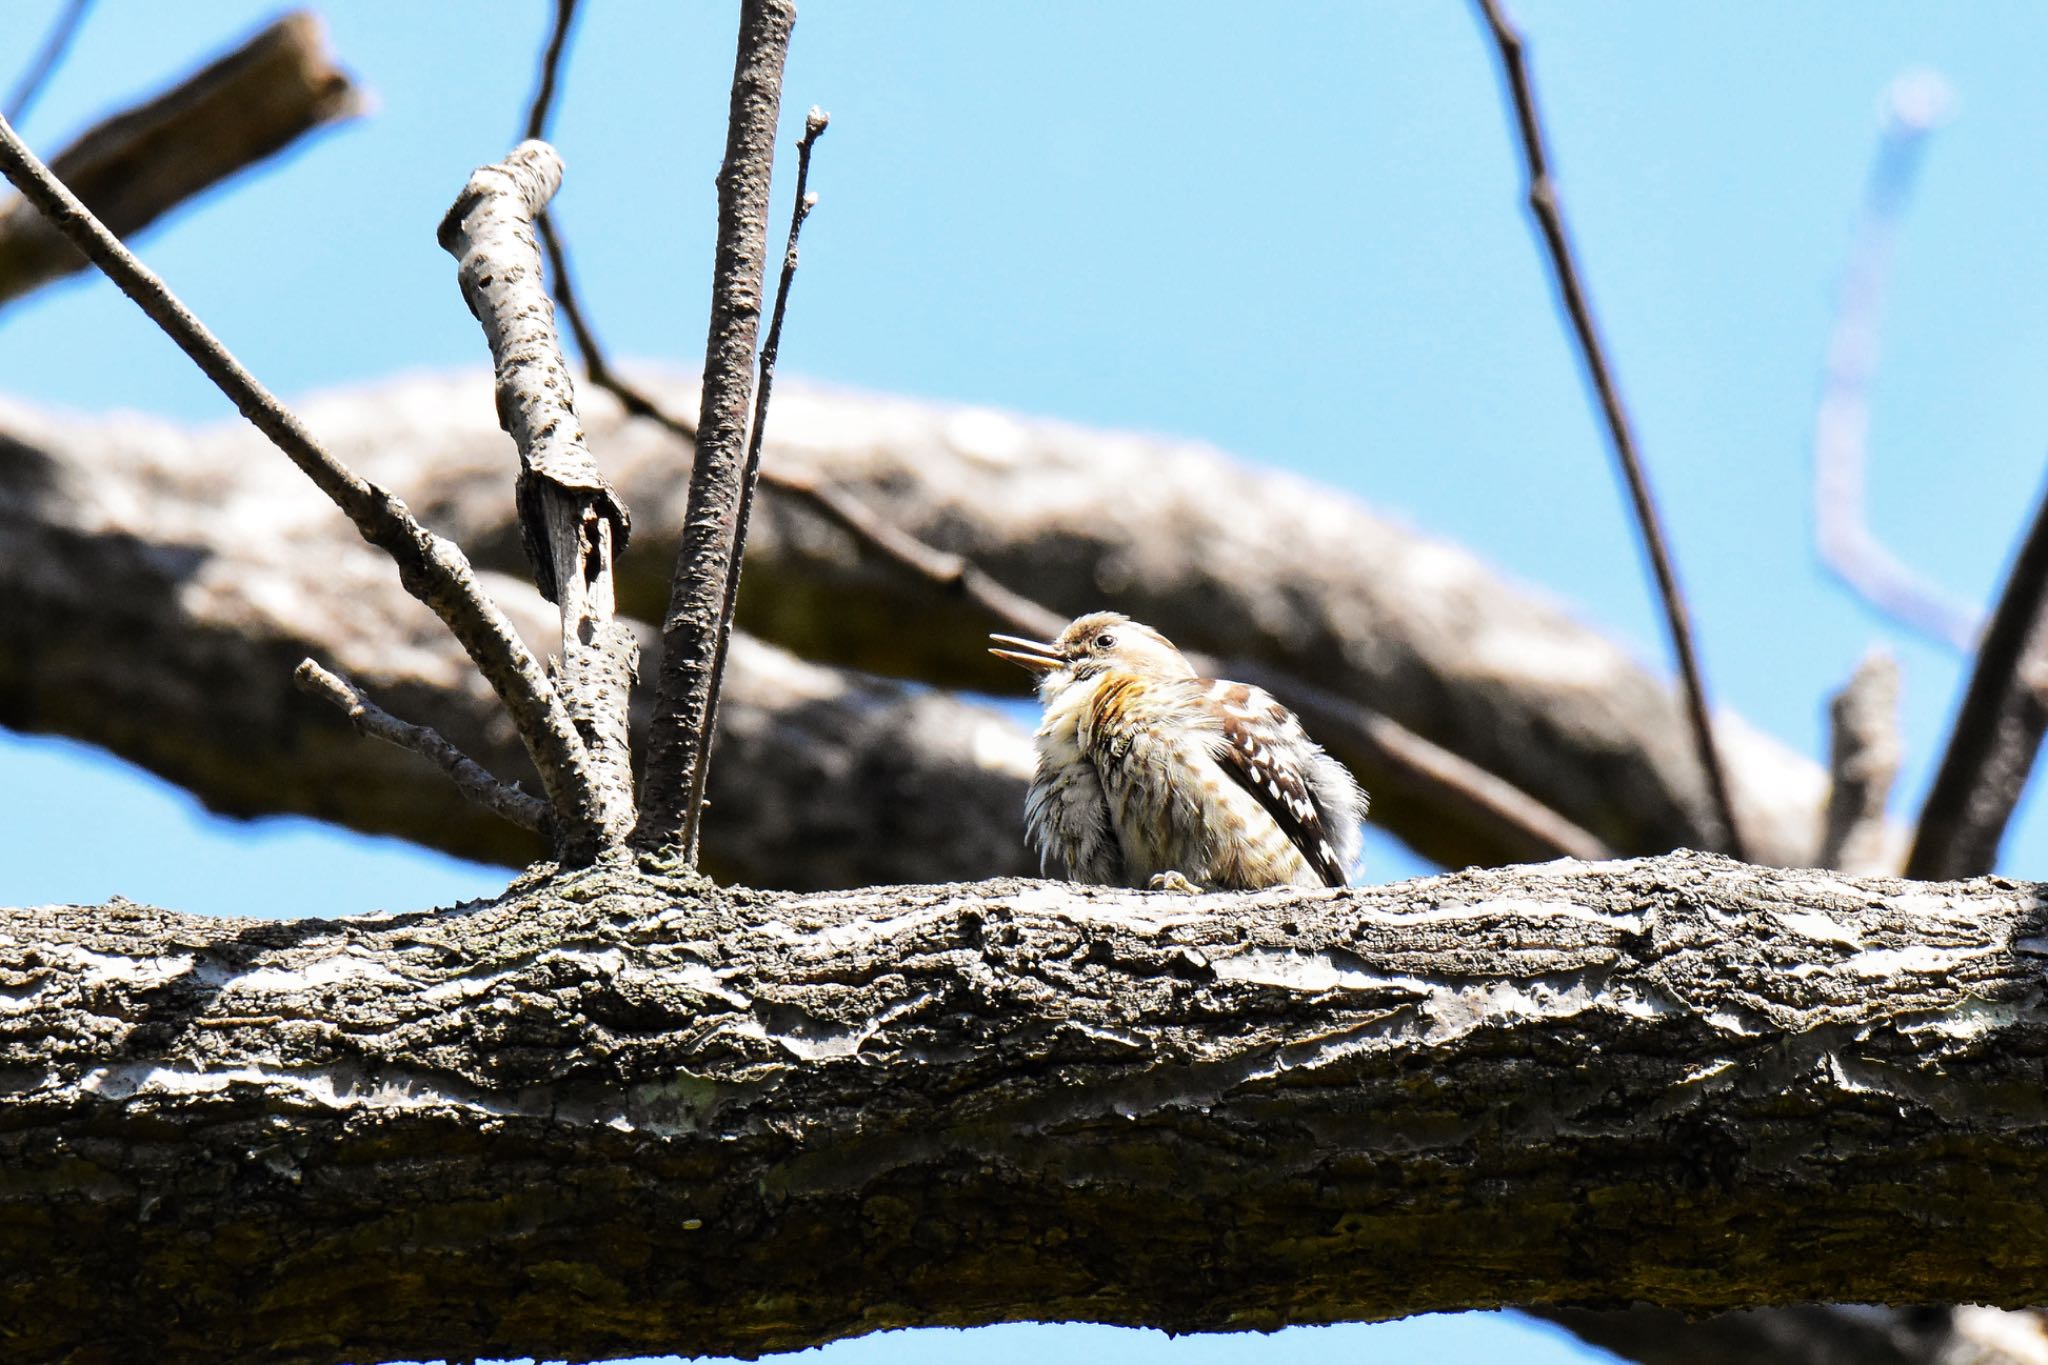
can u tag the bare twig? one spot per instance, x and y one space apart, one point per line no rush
55 43
1914 106
1998 730
1863 760
469 776
433 570
134 167
571 522
543 106
814 128
1549 215
685 696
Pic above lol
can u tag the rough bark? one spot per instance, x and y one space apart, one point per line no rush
615 1112
1238 562
159 599
140 164
701 586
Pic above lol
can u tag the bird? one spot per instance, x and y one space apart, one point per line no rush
1151 776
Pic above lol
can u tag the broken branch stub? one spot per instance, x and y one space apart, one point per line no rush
571 522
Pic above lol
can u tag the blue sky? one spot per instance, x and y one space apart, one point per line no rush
1296 234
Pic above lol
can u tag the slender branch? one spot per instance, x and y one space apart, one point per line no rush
37 74
1863 761
814 128
542 109
1999 728
433 570
471 778
1915 105
135 166
685 696
1549 216
571 522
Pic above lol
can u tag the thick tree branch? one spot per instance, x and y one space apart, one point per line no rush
686 689
1246 565
570 522
616 1112
138 165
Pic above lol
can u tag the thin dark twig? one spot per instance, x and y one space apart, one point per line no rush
36 76
470 777
683 721
814 128
433 570
1480 796
1549 215
595 366
543 106
1999 728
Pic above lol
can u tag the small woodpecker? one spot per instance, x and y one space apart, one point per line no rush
1150 776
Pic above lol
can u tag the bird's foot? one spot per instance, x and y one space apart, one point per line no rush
1173 881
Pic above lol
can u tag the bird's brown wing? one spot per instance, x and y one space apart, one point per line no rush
1264 749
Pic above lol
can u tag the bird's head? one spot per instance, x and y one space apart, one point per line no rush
1098 643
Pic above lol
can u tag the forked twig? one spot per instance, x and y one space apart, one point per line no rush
470 777
685 692
1999 727
56 41
433 570
1549 215
814 128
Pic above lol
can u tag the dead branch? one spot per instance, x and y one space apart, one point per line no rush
571 523
138 165
432 569
471 778
1864 752
1548 213
686 688
616 1113
1998 729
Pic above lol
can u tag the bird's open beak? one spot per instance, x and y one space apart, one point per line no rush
1033 655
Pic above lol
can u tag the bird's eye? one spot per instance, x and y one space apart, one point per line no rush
1105 641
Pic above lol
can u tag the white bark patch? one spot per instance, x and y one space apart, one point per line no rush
341 969
1820 928
1310 972
1920 958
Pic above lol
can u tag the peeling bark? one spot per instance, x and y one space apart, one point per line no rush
615 1112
